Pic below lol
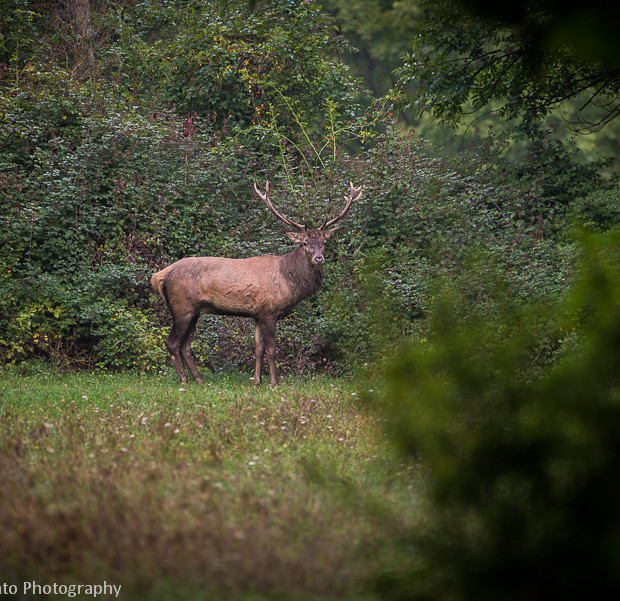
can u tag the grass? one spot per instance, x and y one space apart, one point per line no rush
221 491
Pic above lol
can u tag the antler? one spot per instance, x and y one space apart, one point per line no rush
354 195
282 218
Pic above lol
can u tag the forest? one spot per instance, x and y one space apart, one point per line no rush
137 141
475 283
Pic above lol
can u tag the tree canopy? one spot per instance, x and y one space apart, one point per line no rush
521 61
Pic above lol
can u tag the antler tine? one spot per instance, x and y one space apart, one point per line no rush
354 195
282 218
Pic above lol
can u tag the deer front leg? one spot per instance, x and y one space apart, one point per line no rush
269 336
260 351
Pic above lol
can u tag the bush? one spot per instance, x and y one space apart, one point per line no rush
271 64
518 467
598 210
78 326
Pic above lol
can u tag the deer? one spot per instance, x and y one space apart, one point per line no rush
264 288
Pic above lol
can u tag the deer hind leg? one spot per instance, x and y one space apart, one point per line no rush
186 350
178 344
173 343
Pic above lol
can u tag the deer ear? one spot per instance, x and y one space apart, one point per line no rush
298 237
327 234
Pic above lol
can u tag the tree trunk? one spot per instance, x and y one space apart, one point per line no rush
81 16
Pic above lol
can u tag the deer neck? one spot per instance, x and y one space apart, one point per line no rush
304 278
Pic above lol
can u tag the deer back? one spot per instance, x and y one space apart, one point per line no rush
250 287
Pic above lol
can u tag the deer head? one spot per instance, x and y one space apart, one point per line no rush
312 241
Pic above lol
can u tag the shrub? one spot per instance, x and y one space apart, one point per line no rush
518 468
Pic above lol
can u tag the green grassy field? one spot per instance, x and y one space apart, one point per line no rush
221 491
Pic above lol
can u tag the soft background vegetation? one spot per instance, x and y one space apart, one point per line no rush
138 143
464 286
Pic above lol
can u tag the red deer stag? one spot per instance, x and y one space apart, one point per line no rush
265 288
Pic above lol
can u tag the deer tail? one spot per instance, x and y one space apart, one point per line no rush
158 283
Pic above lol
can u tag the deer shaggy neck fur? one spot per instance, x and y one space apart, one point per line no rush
304 278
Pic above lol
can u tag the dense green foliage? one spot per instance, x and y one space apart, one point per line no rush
141 145
380 32
235 67
520 61
520 472
108 174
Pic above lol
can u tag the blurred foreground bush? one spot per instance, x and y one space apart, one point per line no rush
520 470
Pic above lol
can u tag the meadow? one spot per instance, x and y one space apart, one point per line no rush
221 491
